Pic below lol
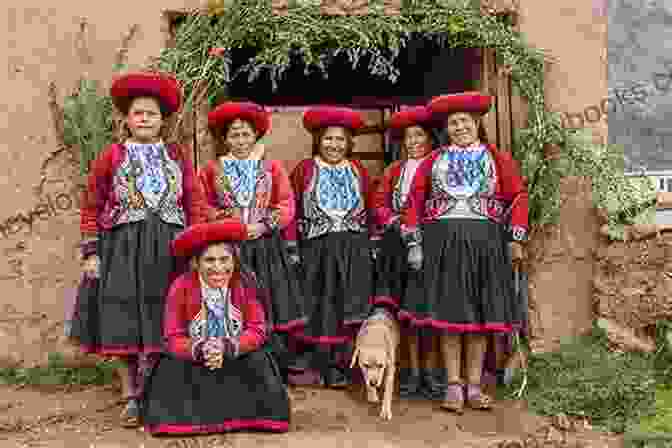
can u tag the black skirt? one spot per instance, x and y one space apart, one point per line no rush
466 280
182 397
338 277
391 270
122 312
278 278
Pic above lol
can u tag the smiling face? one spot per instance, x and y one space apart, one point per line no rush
216 265
240 139
416 142
144 120
462 129
334 145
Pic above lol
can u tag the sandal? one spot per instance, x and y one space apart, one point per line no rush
454 398
476 399
130 415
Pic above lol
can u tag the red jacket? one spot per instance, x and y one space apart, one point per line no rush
184 302
99 195
508 205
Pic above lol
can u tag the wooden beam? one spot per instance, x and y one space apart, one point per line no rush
488 85
503 98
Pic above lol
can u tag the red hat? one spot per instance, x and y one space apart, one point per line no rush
321 117
227 112
411 116
200 236
471 102
162 86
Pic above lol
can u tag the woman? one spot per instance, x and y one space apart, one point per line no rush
467 195
140 195
332 226
240 184
413 127
215 377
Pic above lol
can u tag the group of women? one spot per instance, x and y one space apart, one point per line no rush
207 284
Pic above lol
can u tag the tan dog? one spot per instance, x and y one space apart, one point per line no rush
376 354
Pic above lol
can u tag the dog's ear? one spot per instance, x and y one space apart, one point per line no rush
354 357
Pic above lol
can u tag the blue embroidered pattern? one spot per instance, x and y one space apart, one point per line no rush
242 176
336 188
466 171
147 162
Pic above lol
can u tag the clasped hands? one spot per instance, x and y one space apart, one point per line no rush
215 350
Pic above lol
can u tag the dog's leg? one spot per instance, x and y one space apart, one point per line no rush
386 409
372 394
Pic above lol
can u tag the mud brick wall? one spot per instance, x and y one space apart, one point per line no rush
633 282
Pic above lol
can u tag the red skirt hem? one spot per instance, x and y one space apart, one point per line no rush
489 327
231 425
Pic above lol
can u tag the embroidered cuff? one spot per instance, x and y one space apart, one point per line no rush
88 247
412 237
197 350
519 233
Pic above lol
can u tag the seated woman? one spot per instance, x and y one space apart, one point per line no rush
216 377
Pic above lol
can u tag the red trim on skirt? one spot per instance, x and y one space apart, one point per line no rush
291 326
332 340
121 350
231 425
490 327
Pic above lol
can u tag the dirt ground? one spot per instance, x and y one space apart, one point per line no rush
87 417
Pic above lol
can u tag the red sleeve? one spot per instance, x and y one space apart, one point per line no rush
282 197
296 181
414 211
93 199
194 198
381 199
176 320
254 324
206 180
514 187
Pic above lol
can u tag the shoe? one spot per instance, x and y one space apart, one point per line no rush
334 378
430 387
410 385
453 400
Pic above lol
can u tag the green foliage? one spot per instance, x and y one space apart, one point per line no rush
87 121
55 373
584 378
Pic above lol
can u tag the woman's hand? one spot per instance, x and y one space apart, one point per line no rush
254 231
517 253
91 266
415 257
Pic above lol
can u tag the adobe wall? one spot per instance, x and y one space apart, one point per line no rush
40 227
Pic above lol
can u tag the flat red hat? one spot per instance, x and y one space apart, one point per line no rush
227 112
321 117
471 102
162 86
200 236
411 116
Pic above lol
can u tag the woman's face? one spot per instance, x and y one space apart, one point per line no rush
416 142
462 129
216 265
334 145
240 138
144 119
